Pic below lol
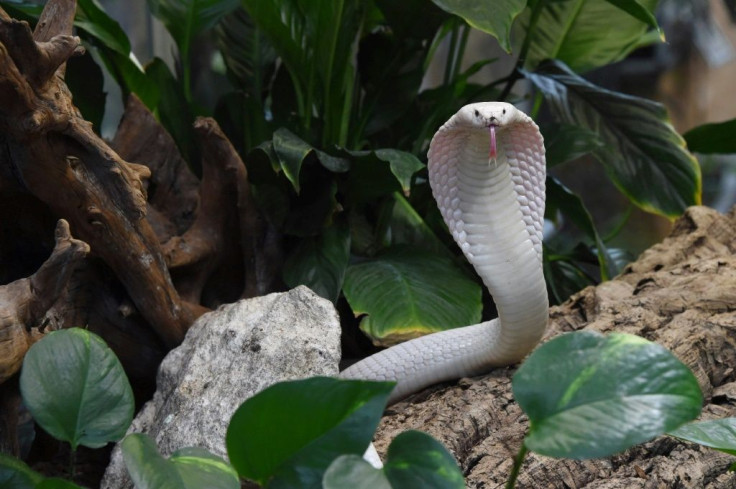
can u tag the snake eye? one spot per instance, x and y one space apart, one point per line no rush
477 114
504 111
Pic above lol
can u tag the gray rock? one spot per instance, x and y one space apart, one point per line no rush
228 356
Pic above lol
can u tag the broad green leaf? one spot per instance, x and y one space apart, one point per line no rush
584 34
131 78
354 472
92 19
560 198
187 468
291 152
288 434
145 465
56 483
406 226
185 19
719 434
415 460
589 395
320 262
645 157
199 468
564 277
640 12
76 389
316 40
493 18
85 81
376 174
174 112
407 292
15 474
248 55
22 10
712 138
564 143
403 165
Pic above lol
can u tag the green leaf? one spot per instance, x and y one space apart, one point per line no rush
584 34
85 81
92 19
406 226
640 12
415 460
560 198
248 55
354 472
291 151
644 156
174 112
589 395
131 77
188 468
147 468
185 19
14 474
288 434
564 143
407 292
403 165
719 434
712 138
56 483
493 18
320 262
76 389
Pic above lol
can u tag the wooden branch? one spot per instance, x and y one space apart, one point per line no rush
24 304
57 157
680 294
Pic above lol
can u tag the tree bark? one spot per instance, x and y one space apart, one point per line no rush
681 294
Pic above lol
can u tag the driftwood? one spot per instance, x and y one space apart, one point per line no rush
681 294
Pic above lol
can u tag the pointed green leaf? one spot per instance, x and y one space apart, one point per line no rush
407 292
76 389
493 18
56 483
15 474
353 472
589 395
187 468
712 138
403 165
320 262
564 143
86 82
644 156
560 198
291 151
94 20
185 19
584 34
288 434
415 460
640 12
719 434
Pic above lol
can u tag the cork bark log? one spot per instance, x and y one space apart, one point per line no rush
681 293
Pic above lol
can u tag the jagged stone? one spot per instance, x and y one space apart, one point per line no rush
228 356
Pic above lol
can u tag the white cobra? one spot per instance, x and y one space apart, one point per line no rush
487 173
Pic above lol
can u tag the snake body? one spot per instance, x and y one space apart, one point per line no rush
487 173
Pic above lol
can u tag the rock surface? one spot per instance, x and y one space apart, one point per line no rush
228 356
680 293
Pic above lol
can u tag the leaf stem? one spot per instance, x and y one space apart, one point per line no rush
518 461
72 464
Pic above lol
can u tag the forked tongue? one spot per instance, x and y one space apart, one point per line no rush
493 151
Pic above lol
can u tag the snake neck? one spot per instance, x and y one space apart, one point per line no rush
484 212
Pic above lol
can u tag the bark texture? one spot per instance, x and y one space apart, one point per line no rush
680 293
